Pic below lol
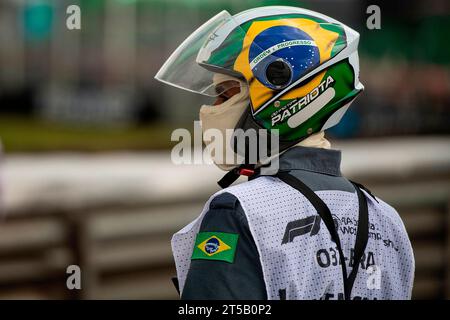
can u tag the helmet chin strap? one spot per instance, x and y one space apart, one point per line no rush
247 169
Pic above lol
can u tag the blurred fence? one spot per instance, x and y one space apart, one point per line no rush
113 215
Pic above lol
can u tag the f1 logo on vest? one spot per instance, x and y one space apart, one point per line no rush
300 227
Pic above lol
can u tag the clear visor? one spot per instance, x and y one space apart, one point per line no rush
182 69
190 67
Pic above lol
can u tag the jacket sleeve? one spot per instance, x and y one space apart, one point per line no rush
212 279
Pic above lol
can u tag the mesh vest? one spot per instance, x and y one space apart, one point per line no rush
298 257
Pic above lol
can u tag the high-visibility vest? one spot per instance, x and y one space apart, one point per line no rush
297 253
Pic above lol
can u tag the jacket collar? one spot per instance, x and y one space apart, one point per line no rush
324 161
318 160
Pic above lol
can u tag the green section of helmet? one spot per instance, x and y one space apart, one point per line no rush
343 75
226 54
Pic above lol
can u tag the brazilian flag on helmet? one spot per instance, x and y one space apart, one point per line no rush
301 67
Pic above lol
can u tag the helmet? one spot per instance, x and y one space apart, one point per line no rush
301 67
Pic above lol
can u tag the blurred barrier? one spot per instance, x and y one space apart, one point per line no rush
113 215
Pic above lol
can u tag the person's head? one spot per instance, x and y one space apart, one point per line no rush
291 71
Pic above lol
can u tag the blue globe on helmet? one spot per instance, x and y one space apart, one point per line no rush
281 55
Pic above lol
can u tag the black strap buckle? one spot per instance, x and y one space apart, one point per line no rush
232 175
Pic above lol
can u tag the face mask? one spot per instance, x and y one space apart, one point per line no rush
224 116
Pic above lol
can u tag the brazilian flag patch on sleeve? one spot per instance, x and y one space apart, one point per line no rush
215 246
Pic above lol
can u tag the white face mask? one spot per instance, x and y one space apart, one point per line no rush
224 116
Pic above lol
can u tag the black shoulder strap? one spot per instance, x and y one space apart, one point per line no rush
176 284
232 175
360 186
362 234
